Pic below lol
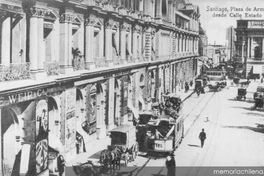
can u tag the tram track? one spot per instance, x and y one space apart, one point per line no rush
185 117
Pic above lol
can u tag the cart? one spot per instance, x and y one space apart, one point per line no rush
241 93
124 138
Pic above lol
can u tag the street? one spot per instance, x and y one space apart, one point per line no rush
234 136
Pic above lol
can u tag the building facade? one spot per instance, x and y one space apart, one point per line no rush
249 46
73 70
217 54
231 38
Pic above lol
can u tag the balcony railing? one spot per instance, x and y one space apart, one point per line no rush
52 68
78 63
15 71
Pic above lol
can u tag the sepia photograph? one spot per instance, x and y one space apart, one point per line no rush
131 87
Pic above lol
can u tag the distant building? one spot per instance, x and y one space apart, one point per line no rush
203 41
250 46
231 38
217 54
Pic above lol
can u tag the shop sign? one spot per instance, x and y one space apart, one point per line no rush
256 24
18 97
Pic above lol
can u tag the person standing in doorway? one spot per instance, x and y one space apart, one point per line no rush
202 137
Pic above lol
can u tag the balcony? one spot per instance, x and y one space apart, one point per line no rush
15 71
52 68
255 60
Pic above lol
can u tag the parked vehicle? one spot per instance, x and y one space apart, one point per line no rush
199 85
259 92
259 102
241 93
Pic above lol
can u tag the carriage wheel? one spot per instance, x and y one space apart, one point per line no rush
135 151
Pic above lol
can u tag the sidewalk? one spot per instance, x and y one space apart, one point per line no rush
94 148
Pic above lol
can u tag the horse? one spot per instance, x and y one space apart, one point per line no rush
105 158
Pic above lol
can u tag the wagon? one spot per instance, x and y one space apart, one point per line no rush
241 93
124 138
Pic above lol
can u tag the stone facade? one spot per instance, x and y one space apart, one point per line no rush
73 70
250 46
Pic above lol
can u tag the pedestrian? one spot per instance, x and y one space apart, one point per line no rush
202 137
60 164
171 165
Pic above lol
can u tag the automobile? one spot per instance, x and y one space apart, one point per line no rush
241 93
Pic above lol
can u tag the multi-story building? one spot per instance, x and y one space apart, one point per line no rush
203 42
249 46
72 70
217 54
231 38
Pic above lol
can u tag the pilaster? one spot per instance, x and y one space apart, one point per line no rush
5 45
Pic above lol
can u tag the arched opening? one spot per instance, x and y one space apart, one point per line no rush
81 122
100 112
11 146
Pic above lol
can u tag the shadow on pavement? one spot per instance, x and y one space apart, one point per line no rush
192 145
255 114
247 100
259 128
245 108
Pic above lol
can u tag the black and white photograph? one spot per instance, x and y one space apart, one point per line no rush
131 87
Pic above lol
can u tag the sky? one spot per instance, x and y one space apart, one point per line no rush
215 27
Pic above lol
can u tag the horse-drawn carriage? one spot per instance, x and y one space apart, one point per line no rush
123 146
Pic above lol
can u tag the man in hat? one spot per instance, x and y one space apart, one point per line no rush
202 137
171 165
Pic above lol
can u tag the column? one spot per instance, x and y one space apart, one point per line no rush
158 7
180 43
134 52
108 43
111 95
248 47
89 35
123 42
33 43
176 43
129 44
5 45
41 44
64 40
101 42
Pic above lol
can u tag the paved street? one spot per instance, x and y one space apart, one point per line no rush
234 135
